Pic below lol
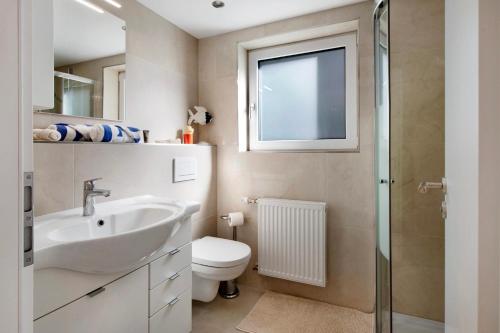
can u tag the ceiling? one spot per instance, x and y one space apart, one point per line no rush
82 34
200 19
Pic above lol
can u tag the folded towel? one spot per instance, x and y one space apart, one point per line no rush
84 130
133 133
72 132
46 135
114 133
95 133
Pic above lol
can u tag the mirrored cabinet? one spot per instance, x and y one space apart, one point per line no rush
78 61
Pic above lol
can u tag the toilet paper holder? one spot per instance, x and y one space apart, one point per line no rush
227 218
229 289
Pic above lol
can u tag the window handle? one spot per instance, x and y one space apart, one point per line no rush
252 110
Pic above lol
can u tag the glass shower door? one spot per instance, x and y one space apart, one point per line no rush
382 167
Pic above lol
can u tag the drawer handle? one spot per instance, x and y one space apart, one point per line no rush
172 302
174 252
174 276
96 292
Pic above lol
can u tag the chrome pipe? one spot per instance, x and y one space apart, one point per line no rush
250 201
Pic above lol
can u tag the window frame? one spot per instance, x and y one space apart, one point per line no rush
349 41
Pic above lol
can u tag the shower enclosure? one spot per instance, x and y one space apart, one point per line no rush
409 149
382 166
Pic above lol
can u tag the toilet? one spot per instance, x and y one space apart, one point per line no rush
215 260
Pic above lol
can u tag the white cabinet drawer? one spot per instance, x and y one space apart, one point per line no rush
175 318
169 290
119 307
163 268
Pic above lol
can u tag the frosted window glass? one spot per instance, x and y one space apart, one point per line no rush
303 97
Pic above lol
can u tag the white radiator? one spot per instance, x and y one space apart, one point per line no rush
292 240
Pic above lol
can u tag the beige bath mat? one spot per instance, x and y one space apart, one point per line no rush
278 313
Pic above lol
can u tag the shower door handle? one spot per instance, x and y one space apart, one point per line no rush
387 181
424 187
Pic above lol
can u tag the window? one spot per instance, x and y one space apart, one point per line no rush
303 96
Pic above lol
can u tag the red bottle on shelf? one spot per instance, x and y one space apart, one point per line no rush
187 135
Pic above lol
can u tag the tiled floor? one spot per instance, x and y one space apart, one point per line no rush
409 324
223 315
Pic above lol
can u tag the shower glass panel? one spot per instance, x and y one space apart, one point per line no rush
73 95
409 124
417 90
382 170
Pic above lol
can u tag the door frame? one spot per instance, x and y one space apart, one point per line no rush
472 94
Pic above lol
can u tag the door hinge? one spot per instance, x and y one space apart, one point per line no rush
28 219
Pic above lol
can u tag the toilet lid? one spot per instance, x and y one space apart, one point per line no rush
219 252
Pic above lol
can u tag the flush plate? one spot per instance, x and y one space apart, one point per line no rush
185 168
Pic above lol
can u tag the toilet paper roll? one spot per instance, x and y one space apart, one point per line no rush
235 219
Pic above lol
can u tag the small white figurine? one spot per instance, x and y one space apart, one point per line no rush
202 116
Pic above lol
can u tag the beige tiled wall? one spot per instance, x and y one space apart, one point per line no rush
343 180
162 73
417 149
127 170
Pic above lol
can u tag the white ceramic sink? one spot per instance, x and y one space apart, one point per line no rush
119 236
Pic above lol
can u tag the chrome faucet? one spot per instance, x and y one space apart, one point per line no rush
89 193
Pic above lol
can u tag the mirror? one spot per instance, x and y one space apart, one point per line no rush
89 61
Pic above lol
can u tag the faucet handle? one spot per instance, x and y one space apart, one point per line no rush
89 184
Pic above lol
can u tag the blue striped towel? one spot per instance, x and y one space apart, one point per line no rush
97 133
115 133
72 132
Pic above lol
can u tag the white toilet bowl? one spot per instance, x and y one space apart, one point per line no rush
216 260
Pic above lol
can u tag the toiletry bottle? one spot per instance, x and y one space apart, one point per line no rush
188 135
145 135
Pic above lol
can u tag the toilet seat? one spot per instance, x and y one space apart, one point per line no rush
219 252
218 273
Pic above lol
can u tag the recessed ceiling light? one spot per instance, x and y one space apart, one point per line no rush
218 4
114 3
91 6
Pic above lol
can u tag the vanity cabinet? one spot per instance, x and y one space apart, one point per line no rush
155 298
119 307
43 54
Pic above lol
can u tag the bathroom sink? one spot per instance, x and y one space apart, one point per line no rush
119 236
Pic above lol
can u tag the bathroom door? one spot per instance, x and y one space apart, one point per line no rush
16 279
26 166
